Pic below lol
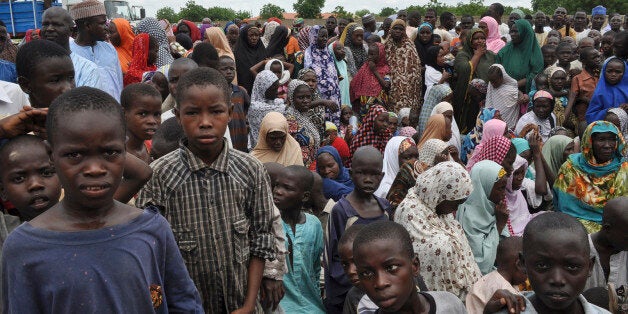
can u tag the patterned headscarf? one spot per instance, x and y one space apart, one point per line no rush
302 119
623 120
407 131
480 85
269 30
151 27
494 149
428 152
366 133
358 52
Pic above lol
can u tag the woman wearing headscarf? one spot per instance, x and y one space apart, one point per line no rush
269 148
587 180
405 68
621 122
299 124
438 127
218 39
484 214
269 30
263 100
494 40
491 129
438 94
472 139
398 149
472 62
522 57
232 31
366 88
278 41
151 27
424 40
498 149
144 56
447 262
319 59
555 151
373 131
353 38
248 52
503 95
122 40
337 50
188 28
519 214
336 179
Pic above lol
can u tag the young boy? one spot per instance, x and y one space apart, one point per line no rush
556 257
304 243
357 207
549 55
90 253
583 85
166 138
240 99
507 276
142 111
387 265
345 251
217 199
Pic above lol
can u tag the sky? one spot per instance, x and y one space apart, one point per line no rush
254 6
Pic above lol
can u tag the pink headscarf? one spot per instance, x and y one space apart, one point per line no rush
494 40
492 128
517 205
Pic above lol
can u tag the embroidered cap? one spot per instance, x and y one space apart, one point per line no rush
87 8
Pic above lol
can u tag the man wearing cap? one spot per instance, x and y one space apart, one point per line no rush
91 22
598 17
368 22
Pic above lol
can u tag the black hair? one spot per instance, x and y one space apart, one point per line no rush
466 16
414 14
508 249
34 53
332 17
18 142
205 55
431 10
350 234
129 93
2 23
167 137
436 37
541 75
584 52
541 225
431 56
616 60
564 45
548 48
499 8
385 230
365 152
77 100
304 175
202 77
445 16
184 40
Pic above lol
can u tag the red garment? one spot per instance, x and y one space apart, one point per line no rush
341 146
494 149
274 19
139 63
366 133
195 32
365 83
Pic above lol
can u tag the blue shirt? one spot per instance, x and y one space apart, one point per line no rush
134 267
86 73
7 71
104 55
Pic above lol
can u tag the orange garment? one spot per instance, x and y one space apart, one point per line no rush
216 37
139 64
125 50
435 128
293 46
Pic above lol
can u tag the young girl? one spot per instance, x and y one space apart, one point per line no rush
557 78
610 92
263 100
374 131
299 125
145 50
435 68
337 49
504 95
369 85
336 179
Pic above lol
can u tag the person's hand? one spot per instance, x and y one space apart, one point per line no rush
480 51
535 141
27 120
331 105
526 129
244 310
501 299
272 292
446 76
442 157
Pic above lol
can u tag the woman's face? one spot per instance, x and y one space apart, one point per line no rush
425 34
499 190
357 37
276 140
514 34
448 133
495 78
447 207
310 79
271 92
478 40
569 149
327 166
558 80
183 29
396 33
483 26
253 36
517 178
302 98
114 36
409 155
604 146
613 118
542 108
339 51
380 125
321 39
232 34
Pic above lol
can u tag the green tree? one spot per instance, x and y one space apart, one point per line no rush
362 12
193 12
270 10
168 14
341 13
548 6
387 11
309 9
243 15
221 14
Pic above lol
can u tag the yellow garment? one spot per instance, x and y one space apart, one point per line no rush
125 50
289 155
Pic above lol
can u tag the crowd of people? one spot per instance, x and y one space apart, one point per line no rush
422 167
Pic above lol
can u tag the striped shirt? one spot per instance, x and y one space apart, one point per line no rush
220 214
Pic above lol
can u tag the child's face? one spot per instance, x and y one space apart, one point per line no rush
327 166
559 78
204 114
345 115
302 98
614 72
367 174
276 68
408 155
558 269
499 190
29 181
380 125
387 275
348 265
517 177
549 57
339 51
495 78
373 53
541 82
288 192
564 55
88 152
227 68
272 91
405 121
310 79
144 117
392 124
49 79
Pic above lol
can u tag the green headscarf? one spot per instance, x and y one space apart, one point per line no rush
522 60
518 12
553 151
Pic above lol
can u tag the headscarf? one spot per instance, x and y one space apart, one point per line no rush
125 50
519 215
322 62
289 155
285 74
269 30
364 83
494 40
435 128
505 98
9 51
477 214
623 120
455 132
494 149
359 52
304 37
522 60
260 106
195 32
246 57
403 113
428 152
422 47
219 40
396 146
518 12
151 27
405 71
521 144
342 184
407 131
139 64
553 150
471 140
447 262
492 128
342 68
366 133
307 133
583 186
204 28
278 41
607 96
431 58
167 28
434 97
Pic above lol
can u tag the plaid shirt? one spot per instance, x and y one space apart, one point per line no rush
220 215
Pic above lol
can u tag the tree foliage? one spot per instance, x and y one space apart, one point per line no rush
270 10
167 13
341 13
387 11
309 9
194 12
362 12
472 7
572 6
242 15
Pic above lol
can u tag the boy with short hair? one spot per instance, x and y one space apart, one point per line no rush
217 199
304 244
142 112
345 251
507 275
166 138
583 85
90 253
241 101
387 265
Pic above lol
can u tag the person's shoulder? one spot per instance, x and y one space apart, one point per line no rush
166 162
242 159
107 46
447 302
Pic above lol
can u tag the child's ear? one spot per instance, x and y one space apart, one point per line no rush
306 196
521 263
591 266
416 265
176 112
24 84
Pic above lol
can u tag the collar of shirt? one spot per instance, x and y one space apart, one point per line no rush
196 164
4 96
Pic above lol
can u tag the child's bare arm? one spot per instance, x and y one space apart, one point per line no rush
258 67
254 281
136 174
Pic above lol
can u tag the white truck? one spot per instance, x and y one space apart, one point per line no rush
115 9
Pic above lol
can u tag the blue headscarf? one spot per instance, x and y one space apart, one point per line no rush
227 26
521 144
341 185
607 96
586 161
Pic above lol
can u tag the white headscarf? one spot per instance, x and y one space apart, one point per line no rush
455 139
391 165
504 98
